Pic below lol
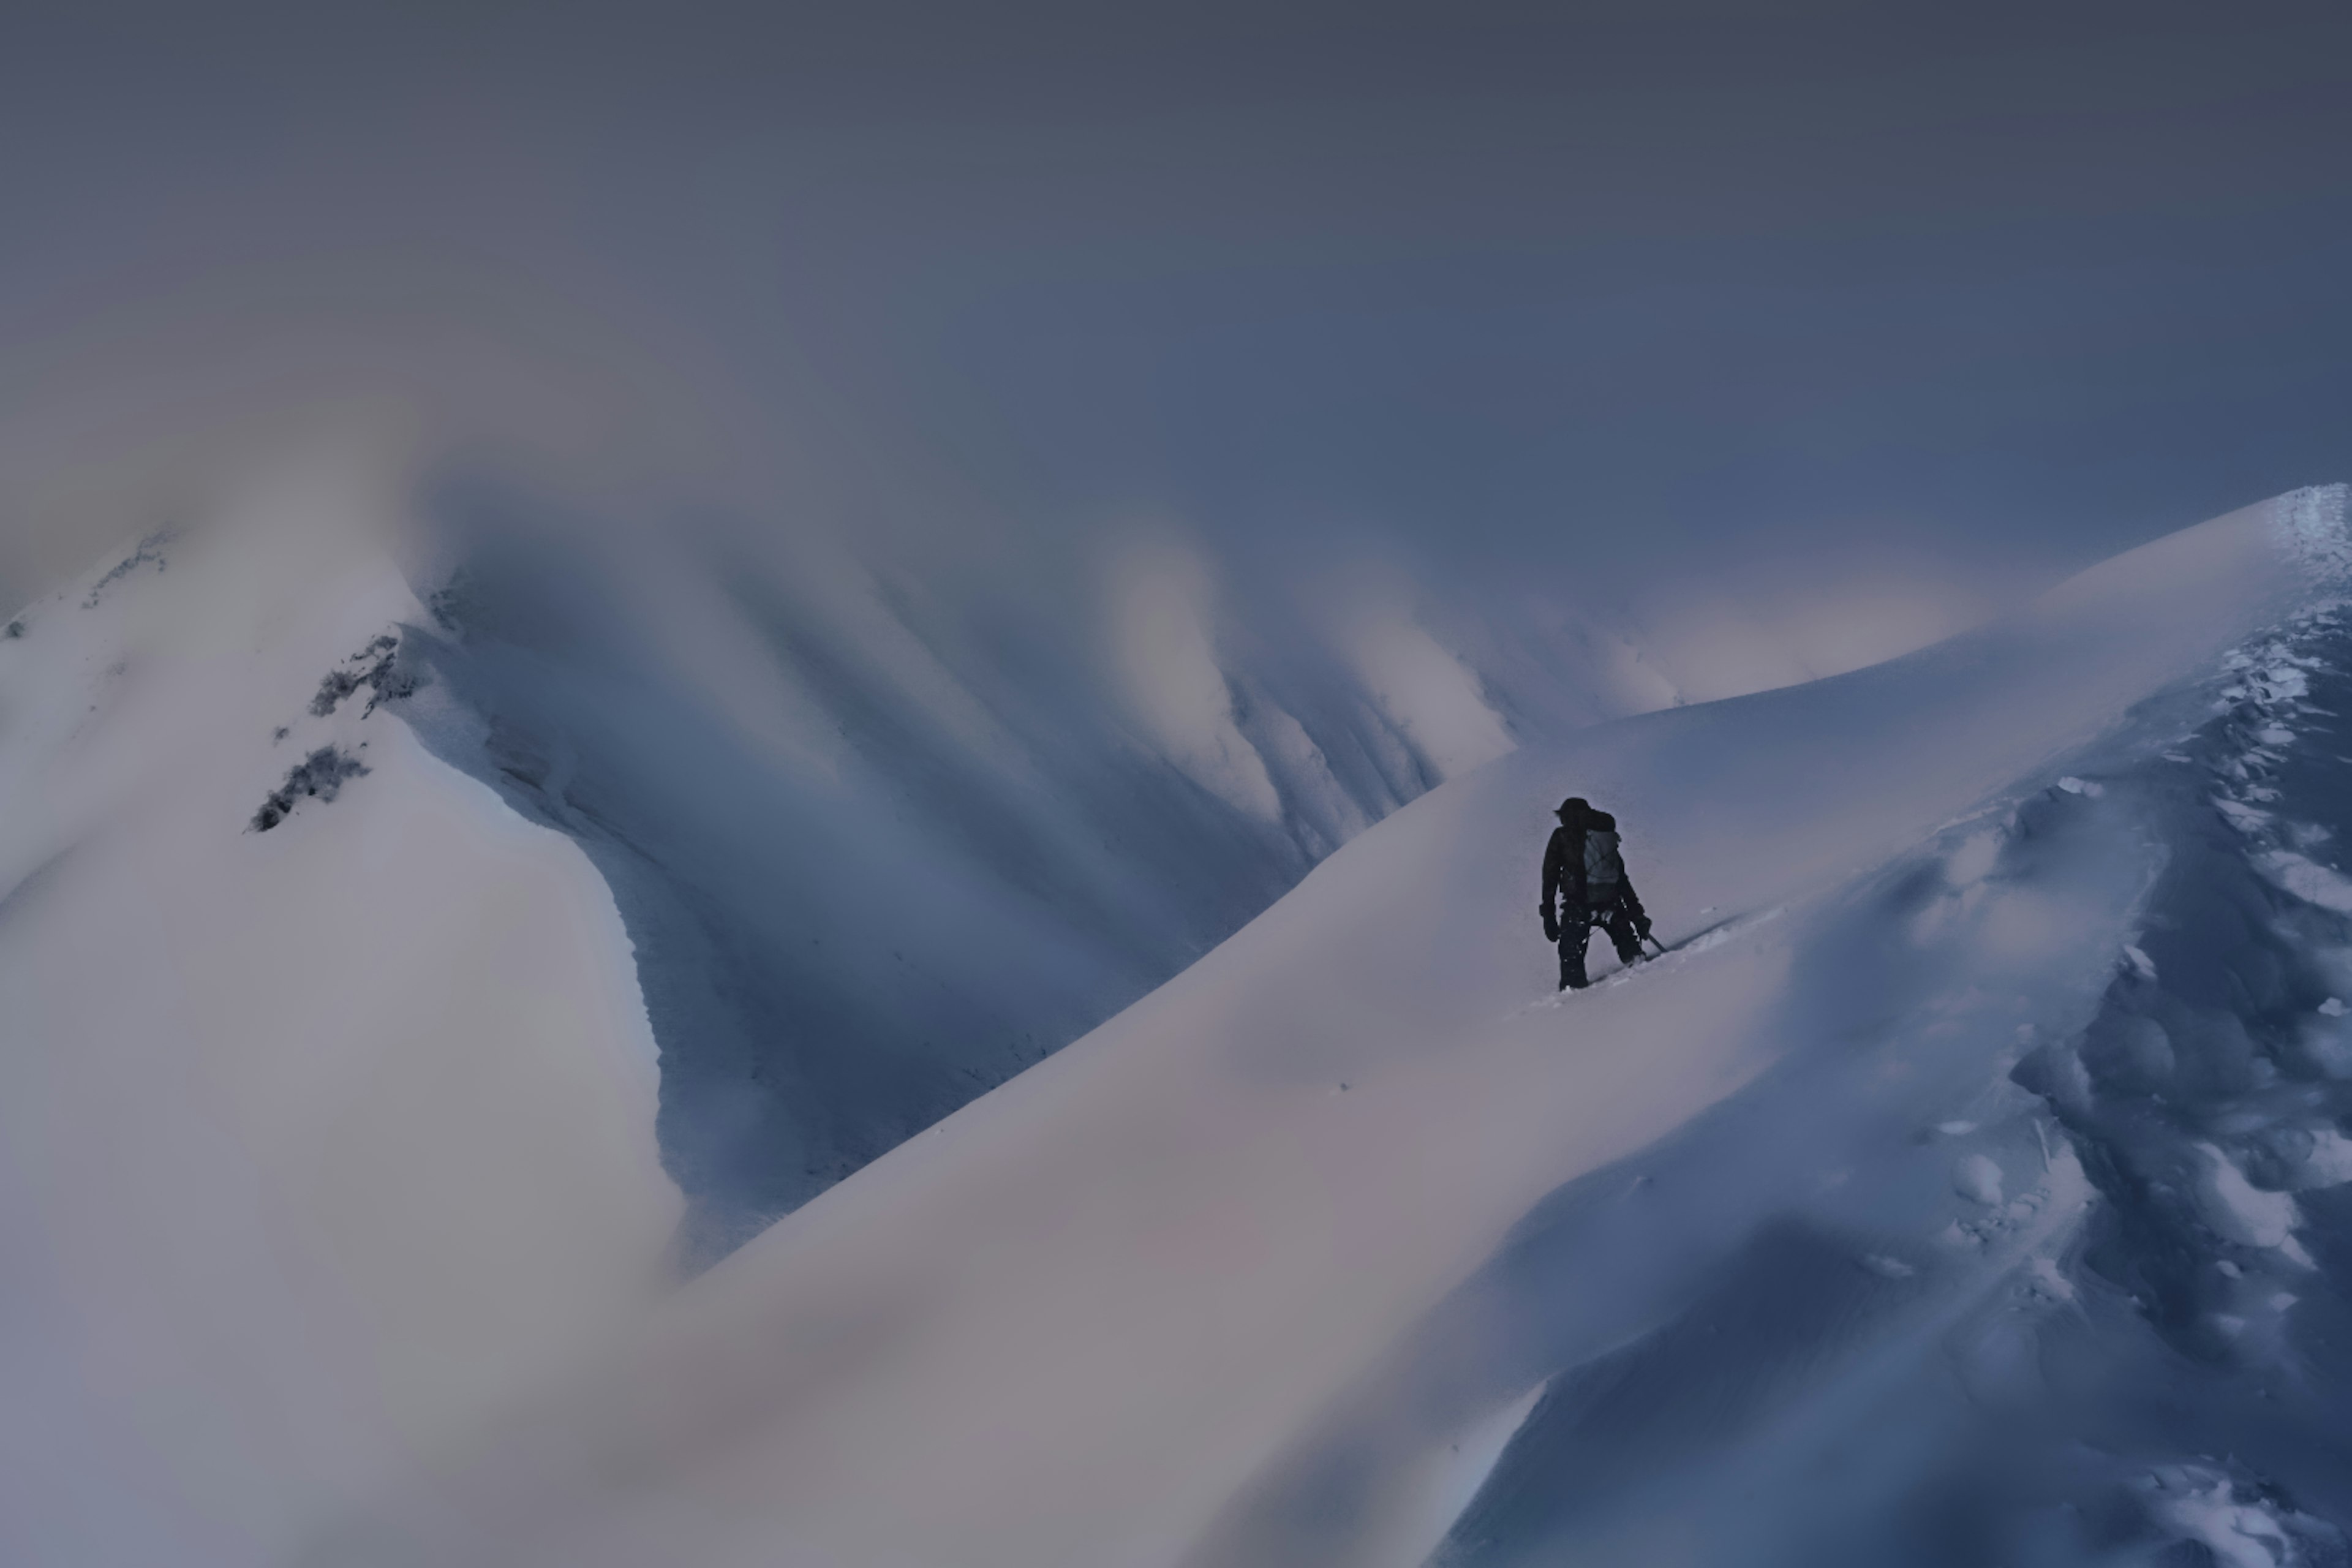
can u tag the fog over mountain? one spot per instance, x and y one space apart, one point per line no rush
713 718
1952 304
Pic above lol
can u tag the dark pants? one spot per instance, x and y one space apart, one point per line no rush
1575 933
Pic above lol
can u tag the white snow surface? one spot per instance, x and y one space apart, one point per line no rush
2239 1210
1977 1177
2307 880
335 1230
1098 1316
317 1143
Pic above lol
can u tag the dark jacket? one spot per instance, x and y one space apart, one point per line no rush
1563 868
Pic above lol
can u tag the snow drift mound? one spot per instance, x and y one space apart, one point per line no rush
1266 1269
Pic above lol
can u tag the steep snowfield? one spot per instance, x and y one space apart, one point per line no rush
326 1080
887 825
1246 1274
336 1231
316 1140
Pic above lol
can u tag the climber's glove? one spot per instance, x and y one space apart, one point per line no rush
1551 924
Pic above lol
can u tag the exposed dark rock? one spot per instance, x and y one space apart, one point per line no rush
321 774
378 667
149 553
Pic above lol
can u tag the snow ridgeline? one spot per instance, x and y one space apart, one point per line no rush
886 831
1267 1268
327 1076
326 1097
327 1136
2044 1257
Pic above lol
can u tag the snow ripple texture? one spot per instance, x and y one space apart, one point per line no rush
2312 522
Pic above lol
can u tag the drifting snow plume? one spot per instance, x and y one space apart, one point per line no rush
1162 634
1426 690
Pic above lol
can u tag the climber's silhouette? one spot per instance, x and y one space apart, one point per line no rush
1583 869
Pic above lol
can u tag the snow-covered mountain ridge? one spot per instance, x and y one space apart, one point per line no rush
1244 1274
878 840
886 829
326 1096
333 1136
242 900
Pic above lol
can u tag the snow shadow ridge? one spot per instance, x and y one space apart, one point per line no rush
829 963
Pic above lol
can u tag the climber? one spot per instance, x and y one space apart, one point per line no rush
1583 869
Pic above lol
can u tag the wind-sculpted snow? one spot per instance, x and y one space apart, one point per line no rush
2113 1332
1969 1189
2313 522
884 838
1887 1225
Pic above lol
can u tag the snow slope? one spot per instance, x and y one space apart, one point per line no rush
1242 1276
327 1078
325 1124
2051 1272
889 822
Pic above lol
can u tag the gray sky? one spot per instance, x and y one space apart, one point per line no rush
2001 287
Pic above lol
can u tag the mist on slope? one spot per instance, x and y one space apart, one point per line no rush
879 830
897 800
1844 1178
951 513
918 722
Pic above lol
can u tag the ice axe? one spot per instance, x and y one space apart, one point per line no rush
1654 942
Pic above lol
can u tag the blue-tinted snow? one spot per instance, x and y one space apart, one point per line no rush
2149 1345
846 933
834 957
1852 1233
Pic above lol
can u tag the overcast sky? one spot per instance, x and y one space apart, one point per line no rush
2001 288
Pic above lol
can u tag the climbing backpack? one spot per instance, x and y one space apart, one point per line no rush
1604 869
